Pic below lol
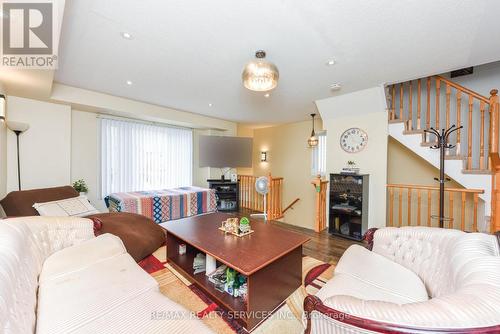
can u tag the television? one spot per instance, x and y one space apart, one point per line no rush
223 151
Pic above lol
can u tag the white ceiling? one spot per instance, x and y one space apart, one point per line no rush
186 54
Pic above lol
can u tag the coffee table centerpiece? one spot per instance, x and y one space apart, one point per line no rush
237 227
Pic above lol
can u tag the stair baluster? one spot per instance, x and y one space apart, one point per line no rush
469 133
428 116
419 104
410 108
458 151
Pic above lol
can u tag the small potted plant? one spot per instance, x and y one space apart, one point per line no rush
81 187
350 168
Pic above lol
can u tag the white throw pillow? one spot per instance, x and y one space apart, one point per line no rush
76 206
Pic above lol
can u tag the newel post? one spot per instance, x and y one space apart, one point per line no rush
320 215
494 160
494 121
270 200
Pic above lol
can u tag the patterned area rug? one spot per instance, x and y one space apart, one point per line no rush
286 319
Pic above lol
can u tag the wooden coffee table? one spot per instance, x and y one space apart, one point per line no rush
270 258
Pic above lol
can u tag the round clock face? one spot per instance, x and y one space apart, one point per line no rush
353 140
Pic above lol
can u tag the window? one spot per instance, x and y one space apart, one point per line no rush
138 156
319 156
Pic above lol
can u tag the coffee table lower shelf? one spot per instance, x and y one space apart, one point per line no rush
268 287
184 264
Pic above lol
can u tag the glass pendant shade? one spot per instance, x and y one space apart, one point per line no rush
313 140
260 75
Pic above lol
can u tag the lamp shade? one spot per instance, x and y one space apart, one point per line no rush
313 141
260 75
17 126
2 107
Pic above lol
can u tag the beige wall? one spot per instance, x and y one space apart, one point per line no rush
45 148
288 157
364 109
85 153
406 167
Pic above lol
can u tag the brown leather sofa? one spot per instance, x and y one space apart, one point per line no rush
140 235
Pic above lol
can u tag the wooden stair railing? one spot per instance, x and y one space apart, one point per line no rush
425 199
251 199
460 106
320 218
290 206
440 110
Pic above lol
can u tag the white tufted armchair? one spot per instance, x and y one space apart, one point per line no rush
57 278
415 280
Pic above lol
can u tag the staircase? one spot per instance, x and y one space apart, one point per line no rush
439 103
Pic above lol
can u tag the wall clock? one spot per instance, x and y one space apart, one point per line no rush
353 140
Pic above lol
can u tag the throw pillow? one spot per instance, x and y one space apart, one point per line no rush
76 206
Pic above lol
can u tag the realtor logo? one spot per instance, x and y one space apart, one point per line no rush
28 35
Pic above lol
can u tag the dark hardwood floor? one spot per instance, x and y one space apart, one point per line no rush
322 246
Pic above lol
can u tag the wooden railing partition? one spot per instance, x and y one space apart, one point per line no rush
249 198
320 218
252 200
275 198
423 201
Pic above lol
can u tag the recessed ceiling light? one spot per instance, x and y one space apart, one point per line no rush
267 95
335 86
129 82
210 104
330 62
126 35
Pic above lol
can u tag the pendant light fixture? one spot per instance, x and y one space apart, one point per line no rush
260 75
313 140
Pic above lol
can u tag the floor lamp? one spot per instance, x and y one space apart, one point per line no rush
18 128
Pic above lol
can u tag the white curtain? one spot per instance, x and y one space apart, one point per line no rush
138 156
319 156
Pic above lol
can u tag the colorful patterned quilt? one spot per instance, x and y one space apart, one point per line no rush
164 205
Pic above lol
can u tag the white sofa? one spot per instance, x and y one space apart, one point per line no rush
415 280
56 277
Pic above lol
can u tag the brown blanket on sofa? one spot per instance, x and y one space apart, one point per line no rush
140 235
20 203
